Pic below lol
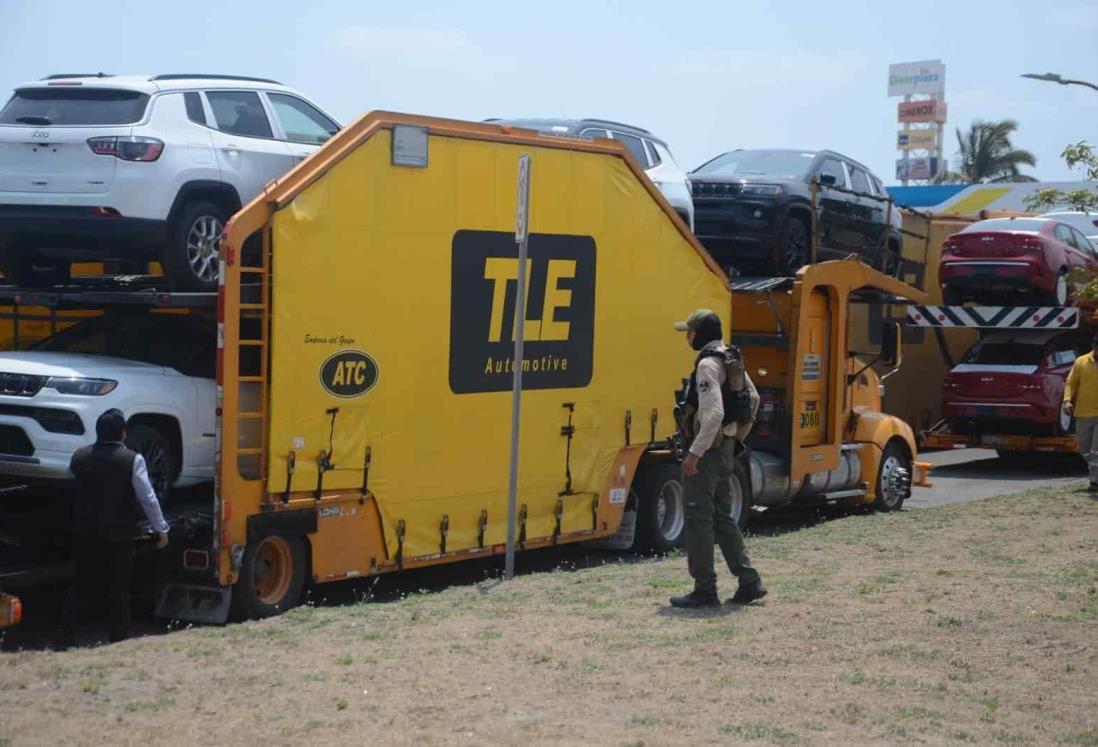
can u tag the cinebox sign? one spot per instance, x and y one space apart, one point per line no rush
931 110
926 78
559 328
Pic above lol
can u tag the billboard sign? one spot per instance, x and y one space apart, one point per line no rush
917 139
916 168
926 78
931 110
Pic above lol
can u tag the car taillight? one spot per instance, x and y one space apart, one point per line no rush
1031 245
127 148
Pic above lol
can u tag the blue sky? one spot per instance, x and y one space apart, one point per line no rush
705 76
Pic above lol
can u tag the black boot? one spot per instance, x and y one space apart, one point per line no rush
748 593
696 599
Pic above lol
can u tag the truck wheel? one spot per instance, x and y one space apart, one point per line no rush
272 577
159 459
190 259
740 494
26 269
793 246
661 513
893 477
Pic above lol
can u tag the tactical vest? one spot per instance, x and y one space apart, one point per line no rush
106 504
734 395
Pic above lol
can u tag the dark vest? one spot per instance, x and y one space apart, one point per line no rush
106 504
737 402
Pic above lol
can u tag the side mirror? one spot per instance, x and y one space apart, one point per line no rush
828 179
891 355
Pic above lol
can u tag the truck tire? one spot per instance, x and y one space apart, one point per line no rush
893 477
160 461
26 269
740 494
272 577
191 259
661 510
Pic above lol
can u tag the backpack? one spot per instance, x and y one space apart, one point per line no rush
734 393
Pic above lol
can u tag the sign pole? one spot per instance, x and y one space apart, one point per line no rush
522 235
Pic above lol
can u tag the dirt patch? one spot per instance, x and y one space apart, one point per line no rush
968 623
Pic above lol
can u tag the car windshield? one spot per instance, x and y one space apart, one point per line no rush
791 164
1006 224
74 106
1005 354
173 341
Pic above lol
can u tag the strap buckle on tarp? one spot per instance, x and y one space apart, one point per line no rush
595 513
443 530
522 527
482 527
400 545
291 465
558 512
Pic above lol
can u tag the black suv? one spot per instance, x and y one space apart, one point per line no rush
753 210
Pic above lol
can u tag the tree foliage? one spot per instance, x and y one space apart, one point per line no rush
987 155
1079 156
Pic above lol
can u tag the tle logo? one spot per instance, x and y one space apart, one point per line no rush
559 324
348 374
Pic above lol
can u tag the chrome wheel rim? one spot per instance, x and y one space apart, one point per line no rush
894 478
156 460
735 497
1061 290
202 244
670 511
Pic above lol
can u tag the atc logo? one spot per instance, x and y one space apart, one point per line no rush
559 329
348 374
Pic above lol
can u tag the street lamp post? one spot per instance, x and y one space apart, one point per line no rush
1057 78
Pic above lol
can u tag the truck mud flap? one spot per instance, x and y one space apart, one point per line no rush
191 603
625 537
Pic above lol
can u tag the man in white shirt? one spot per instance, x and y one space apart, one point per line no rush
112 481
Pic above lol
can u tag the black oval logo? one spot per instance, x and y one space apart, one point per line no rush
349 373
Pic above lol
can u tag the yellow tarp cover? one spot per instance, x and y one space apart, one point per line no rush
392 296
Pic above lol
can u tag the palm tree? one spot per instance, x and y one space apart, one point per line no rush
986 155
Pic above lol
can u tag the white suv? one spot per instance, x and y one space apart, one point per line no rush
651 153
139 168
158 369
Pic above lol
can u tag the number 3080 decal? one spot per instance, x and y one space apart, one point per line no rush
810 419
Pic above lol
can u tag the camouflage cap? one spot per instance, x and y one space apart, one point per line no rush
695 320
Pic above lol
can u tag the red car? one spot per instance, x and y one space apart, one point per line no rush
1012 383
996 261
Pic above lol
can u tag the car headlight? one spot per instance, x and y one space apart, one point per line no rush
761 189
85 387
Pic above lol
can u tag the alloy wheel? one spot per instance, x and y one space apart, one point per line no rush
203 240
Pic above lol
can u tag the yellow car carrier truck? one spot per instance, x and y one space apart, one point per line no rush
365 319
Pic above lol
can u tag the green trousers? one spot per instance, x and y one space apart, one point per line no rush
709 517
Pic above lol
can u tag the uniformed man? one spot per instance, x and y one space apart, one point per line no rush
715 438
1081 400
111 482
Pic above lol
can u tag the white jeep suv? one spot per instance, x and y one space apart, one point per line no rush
652 154
158 369
138 168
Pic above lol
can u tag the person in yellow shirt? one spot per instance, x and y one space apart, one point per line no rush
1081 400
